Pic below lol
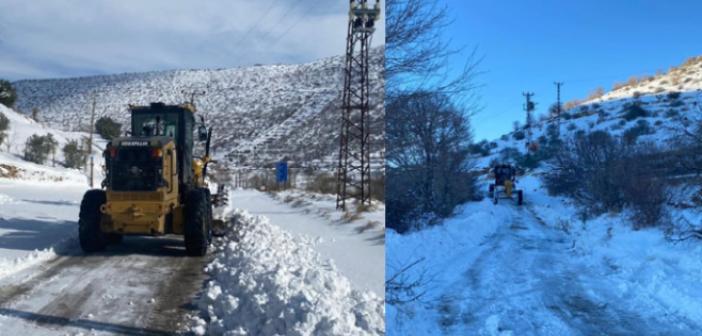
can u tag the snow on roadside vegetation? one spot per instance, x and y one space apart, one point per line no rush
13 166
642 263
365 218
265 281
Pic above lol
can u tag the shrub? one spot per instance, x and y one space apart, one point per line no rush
633 111
73 155
481 148
519 135
673 95
324 183
603 173
108 128
38 148
597 93
642 127
671 113
8 95
571 127
676 103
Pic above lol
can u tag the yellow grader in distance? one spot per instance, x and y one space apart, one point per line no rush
153 185
505 185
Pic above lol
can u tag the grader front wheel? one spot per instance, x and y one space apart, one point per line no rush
197 220
91 237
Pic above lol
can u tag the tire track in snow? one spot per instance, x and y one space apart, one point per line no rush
140 287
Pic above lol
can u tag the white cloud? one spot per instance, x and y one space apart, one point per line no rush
59 38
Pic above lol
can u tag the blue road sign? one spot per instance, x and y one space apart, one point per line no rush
281 172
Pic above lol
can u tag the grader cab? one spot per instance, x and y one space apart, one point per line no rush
153 185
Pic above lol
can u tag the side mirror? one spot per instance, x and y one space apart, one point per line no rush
202 133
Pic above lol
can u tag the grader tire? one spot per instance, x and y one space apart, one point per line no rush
196 228
520 197
210 216
90 236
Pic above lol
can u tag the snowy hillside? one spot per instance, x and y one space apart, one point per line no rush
261 113
12 164
650 109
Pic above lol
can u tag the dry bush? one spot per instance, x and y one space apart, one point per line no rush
596 94
619 85
323 183
377 187
571 104
603 173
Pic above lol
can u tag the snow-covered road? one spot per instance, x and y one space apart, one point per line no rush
48 287
537 270
525 280
298 260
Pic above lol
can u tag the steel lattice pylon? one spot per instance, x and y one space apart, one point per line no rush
353 172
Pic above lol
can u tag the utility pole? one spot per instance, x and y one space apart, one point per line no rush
353 171
528 107
91 129
558 109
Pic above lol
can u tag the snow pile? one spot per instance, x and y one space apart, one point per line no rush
8 267
265 282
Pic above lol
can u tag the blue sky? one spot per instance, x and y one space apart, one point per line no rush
527 45
67 38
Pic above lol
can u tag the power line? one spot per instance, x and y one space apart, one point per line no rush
255 25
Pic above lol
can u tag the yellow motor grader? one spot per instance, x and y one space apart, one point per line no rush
505 185
153 185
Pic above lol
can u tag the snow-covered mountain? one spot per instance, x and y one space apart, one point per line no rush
261 113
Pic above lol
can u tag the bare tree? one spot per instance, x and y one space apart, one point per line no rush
427 140
417 54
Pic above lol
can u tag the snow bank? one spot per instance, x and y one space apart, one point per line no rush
35 257
265 281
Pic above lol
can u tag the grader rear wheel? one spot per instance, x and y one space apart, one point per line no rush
520 197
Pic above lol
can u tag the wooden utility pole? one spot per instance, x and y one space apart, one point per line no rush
528 107
558 109
89 150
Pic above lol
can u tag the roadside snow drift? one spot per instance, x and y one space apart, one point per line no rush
265 281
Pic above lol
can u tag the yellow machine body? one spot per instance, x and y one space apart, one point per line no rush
147 212
508 187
